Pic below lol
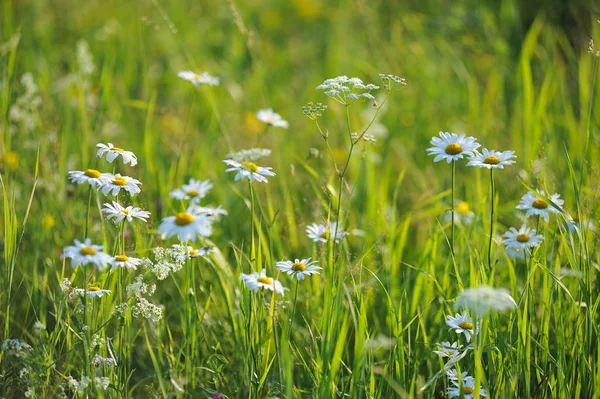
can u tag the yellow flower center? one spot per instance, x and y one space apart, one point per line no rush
93 288
492 160
197 77
523 238
467 390
265 280
192 193
125 211
117 149
466 325
119 181
193 252
48 221
92 173
540 204
121 258
325 235
250 166
87 251
453 149
462 208
183 219
299 267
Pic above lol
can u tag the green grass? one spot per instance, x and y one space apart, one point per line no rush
366 326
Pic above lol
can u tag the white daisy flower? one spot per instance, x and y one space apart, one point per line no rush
271 118
194 191
299 268
534 205
114 183
186 226
461 324
113 152
91 176
248 170
197 80
209 211
515 254
462 214
85 252
125 261
256 281
117 212
524 238
92 291
453 375
492 159
452 147
320 232
468 389
445 349
483 299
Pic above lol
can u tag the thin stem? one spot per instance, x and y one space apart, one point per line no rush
291 323
252 250
453 199
87 213
491 218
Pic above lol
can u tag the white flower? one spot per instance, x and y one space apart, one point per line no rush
117 213
209 211
197 80
452 147
320 232
573 224
299 268
248 170
483 299
126 262
462 214
93 291
515 254
186 225
194 191
249 154
114 183
537 206
113 152
271 118
522 239
492 159
139 288
461 324
445 349
143 308
85 252
256 281
192 252
468 388
91 176
345 90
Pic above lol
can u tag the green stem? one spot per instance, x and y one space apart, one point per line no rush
293 311
453 200
491 218
252 243
87 213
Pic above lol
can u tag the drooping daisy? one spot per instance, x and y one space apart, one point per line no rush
91 176
117 212
125 261
492 159
483 299
114 183
320 232
194 191
299 268
462 214
248 170
452 147
186 226
85 252
524 238
535 205
199 79
113 152
92 291
271 118
468 389
461 324
445 349
256 281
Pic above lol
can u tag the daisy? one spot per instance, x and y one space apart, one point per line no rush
451 147
574 224
115 183
462 214
186 226
445 349
113 152
117 213
492 159
271 118
192 252
92 291
248 170
85 252
535 205
126 262
320 232
461 324
209 211
454 376
91 176
524 238
256 281
197 80
194 191
468 389
299 268
483 299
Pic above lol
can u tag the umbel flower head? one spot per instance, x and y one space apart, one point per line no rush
484 299
451 147
83 253
113 184
271 118
248 170
194 191
491 159
198 79
117 213
299 268
256 281
524 238
186 225
113 152
535 205
346 90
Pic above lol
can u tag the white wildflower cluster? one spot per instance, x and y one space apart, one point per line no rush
78 386
144 309
366 137
102 382
191 252
10 45
592 49
249 154
98 361
16 348
120 310
313 111
392 82
66 286
97 341
139 288
346 90
166 261
23 114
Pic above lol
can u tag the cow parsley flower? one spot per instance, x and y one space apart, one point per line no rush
256 281
249 170
113 152
199 79
346 90
117 212
492 159
194 191
299 268
451 147
535 205
271 118
524 238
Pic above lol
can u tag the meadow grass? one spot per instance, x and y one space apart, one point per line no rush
82 73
